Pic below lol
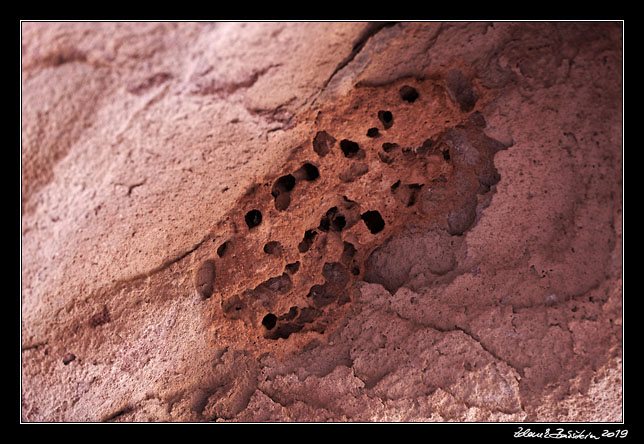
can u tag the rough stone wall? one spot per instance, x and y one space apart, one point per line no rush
322 221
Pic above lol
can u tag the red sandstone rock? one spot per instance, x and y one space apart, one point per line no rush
241 222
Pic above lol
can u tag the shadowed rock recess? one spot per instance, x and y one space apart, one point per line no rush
389 222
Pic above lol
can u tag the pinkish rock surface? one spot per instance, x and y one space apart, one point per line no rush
322 221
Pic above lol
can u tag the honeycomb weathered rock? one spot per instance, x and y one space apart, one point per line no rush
329 208
322 221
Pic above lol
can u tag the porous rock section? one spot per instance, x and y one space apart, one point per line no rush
321 222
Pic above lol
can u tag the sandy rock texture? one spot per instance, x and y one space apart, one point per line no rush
340 221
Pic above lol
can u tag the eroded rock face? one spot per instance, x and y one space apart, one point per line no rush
412 221
328 209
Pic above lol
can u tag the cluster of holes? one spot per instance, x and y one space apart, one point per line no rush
336 274
336 279
283 186
234 305
291 322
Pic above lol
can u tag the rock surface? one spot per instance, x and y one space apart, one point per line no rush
322 221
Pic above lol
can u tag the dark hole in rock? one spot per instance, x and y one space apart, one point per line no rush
322 143
308 171
69 357
428 146
283 331
309 237
325 224
269 321
332 220
348 203
290 315
408 94
293 268
446 156
273 247
355 270
394 186
374 221
387 146
338 223
204 280
385 158
373 132
348 252
386 118
283 184
221 250
282 201
253 218
414 189
461 90
349 148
